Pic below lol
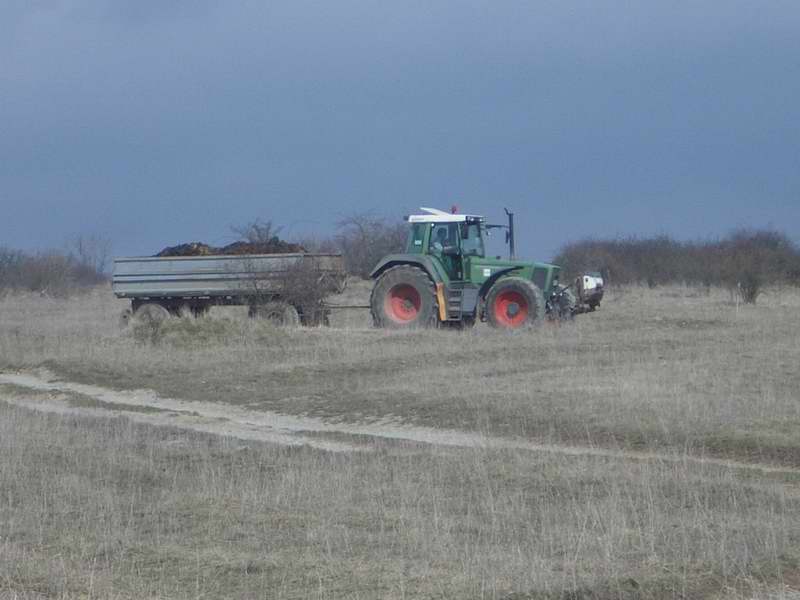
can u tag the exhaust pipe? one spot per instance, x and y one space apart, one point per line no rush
510 235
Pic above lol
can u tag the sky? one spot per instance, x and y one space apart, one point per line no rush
153 123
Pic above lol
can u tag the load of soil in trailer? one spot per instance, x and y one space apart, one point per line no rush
272 246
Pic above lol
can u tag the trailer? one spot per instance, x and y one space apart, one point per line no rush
285 288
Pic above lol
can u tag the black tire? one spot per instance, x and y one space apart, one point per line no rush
280 314
513 303
404 297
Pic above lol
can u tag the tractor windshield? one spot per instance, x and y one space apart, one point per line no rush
471 239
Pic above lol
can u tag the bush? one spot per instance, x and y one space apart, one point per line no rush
751 260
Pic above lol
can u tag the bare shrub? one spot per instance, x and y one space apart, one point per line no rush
147 331
364 239
49 273
752 260
304 284
54 272
257 231
91 254
10 269
148 323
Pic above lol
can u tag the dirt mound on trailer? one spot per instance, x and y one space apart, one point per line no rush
192 249
273 246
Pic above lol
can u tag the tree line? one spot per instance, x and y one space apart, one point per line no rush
746 261
82 264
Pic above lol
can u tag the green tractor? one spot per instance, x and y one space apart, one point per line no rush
444 278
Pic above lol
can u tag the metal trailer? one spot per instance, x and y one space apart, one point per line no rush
275 286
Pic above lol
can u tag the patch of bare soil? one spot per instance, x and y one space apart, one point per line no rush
47 393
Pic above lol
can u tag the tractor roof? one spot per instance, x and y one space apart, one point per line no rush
434 215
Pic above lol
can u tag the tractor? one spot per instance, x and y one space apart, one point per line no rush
445 279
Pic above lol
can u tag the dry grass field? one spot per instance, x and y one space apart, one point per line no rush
650 450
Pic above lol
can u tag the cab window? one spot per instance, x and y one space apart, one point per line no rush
471 240
442 235
416 237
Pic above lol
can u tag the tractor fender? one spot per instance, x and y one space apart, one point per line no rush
487 285
420 261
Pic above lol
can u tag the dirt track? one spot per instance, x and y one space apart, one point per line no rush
49 394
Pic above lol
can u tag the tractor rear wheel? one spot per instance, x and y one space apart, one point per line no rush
514 302
404 297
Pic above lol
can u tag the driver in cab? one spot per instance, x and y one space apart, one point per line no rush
441 241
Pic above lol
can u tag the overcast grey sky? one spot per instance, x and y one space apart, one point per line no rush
158 122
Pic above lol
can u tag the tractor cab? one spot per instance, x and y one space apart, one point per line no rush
452 240
455 243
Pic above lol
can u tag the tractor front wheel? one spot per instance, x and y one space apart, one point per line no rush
404 297
514 302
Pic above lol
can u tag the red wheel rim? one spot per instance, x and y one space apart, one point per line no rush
510 308
402 303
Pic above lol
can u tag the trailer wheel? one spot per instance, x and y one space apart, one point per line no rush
403 297
151 312
514 302
280 314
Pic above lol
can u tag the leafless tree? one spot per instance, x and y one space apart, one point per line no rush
257 232
92 252
364 239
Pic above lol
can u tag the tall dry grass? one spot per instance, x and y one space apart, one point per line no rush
103 508
108 509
